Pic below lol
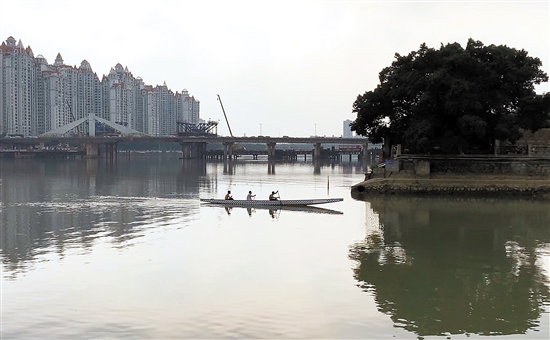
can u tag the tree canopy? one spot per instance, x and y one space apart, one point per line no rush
454 98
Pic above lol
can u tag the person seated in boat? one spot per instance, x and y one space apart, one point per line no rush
250 196
272 197
228 195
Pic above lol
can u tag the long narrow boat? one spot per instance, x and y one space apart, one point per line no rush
299 208
252 203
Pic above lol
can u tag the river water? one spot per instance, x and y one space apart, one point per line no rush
92 249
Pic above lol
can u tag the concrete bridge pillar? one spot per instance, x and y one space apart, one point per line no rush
228 150
111 150
271 168
185 150
317 151
198 150
271 150
364 155
194 150
228 167
92 150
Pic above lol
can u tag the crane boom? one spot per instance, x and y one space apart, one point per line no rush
72 115
229 127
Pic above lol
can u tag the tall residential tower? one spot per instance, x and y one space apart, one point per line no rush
37 97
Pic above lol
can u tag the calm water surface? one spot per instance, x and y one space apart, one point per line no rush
91 249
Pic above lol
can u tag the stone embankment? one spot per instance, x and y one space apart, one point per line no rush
460 177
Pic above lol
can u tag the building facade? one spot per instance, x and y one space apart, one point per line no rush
37 97
18 81
347 133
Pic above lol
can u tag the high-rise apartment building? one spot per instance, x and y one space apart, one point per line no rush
148 121
187 108
346 129
37 97
164 102
18 81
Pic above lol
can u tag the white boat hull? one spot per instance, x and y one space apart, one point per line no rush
302 202
299 208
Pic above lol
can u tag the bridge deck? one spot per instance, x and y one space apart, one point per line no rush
183 139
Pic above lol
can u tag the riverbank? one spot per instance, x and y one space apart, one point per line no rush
502 175
453 184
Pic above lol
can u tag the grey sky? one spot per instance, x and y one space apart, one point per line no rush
295 67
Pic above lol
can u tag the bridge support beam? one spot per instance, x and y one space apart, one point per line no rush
92 150
186 152
194 150
228 150
111 150
271 150
364 155
317 151
198 150
271 168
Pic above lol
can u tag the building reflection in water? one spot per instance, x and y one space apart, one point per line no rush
53 206
444 266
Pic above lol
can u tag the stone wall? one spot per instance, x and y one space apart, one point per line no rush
492 166
427 167
388 186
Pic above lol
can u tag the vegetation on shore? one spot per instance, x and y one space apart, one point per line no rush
454 99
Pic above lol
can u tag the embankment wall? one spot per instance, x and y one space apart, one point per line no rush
525 176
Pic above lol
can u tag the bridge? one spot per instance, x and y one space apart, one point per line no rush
192 146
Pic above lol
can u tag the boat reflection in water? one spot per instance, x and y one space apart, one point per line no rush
441 266
276 209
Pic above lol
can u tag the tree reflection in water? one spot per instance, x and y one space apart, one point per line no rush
445 266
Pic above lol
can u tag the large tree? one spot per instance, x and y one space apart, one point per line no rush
454 98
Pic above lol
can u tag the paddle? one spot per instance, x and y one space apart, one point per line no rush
279 199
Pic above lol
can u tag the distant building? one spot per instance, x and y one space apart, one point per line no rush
18 82
36 97
347 130
187 108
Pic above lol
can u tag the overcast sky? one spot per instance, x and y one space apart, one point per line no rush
281 67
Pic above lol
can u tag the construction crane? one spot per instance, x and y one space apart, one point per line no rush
72 115
229 127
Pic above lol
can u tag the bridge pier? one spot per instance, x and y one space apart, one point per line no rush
228 167
364 154
271 150
185 151
111 150
271 168
193 150
92 150
228 150
317 166
317 151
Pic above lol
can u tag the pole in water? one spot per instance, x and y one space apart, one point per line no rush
328 182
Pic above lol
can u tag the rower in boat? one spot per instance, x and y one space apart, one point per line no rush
228 195
272 197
